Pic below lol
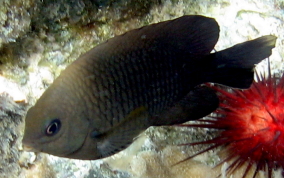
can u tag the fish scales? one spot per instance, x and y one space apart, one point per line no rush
129 80
146 77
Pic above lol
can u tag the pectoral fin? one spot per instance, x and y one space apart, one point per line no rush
123 134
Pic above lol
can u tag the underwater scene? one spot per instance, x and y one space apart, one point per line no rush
141 89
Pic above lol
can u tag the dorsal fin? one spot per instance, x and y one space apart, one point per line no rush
191 34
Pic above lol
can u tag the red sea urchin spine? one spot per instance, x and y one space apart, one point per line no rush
251 124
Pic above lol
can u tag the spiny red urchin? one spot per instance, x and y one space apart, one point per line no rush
252 126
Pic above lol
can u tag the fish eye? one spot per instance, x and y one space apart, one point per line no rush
53 127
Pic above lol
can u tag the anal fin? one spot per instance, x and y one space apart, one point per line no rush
198 103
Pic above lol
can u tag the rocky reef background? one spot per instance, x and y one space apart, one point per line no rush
39 38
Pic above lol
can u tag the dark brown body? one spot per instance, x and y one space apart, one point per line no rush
142 78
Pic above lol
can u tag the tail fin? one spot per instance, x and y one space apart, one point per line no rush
234 66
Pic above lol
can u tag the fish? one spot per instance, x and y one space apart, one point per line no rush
150 76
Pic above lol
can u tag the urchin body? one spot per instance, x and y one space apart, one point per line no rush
251 124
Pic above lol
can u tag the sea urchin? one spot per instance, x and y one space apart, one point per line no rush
251 124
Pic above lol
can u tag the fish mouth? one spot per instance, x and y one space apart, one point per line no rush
28 148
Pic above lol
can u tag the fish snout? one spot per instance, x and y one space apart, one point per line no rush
28 148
